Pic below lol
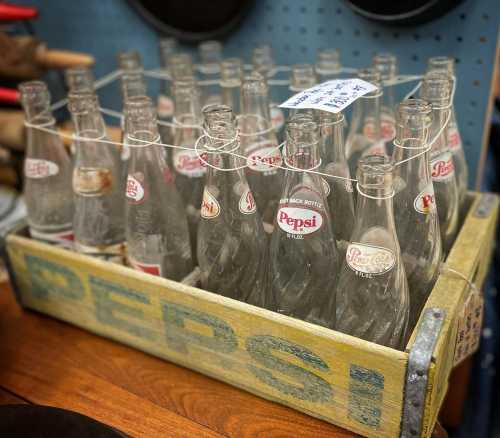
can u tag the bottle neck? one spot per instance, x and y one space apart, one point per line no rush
89 124
303 155
438 128
187 107
375 208
366 116
331 130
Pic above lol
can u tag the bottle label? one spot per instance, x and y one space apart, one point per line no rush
442 167
92 181
36 168
135 191
425 202
111 253
387 127
247 202
377 148
210 207
64 239
454 140
165 107
298 221
367 260
149 268
188 163
277 117
264 157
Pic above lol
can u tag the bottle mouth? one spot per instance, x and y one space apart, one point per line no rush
80 103
371 75
414 114
375 177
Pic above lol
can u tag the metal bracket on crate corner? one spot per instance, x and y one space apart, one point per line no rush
417 374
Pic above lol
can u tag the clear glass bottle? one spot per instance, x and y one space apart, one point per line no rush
180 66
446 65
303 254
328 65
210 56
365 136
129 61
372 295
232 246
165 102
436 90
47 170
417 222
156 224
339 191
79 79
188 168
231 71
98 184
260 145
302 77
387 65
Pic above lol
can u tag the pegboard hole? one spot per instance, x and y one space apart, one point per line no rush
338 31
303 49
303 30
437 37
473 103
375 34
414 58
470 123
479 61
416 37
285 8
486 17
320 10
395 35
303 10
476 83
286 28
338 11
270 27
459 39
482 39
355 52
463 16
357 33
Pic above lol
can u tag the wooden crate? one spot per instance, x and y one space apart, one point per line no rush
341 379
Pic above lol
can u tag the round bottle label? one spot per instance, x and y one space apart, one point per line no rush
442 167
149 268
264 157
298 221
425 202
369 259
247 204
92 181
210 207
277 117
188 163
165 106
36 168
454 140
134 191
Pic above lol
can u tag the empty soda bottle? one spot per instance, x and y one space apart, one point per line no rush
417 222
97 184
446 65
210 56
436 90
365 136
129 61
260 145
387 65
303 253
328 65
165 104
47 170
372 294
339 191
231 71
180 67
232 246
156 224
189 169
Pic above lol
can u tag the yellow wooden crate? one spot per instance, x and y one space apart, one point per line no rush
341 379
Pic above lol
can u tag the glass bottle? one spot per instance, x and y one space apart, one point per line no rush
260 145
156 224
232 246
47 170
387 65
302 77
417 222
365 136
129 61
328 65
446 65
436 90
180 66
97 184
303 253
231 71
188 168
339 191
165 103
210 56
372 294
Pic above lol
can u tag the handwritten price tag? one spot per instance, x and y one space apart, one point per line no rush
332 96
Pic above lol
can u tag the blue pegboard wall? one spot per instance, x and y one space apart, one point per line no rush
296 29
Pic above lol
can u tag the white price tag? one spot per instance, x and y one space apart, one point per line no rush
332 96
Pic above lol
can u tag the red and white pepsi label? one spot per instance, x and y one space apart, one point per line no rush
210 207
368 260
425 202
165 107
387 127
64 239
298 220
135 191
149 268
264 157
377 148
277 117
442 168
454 139
37 168
188 163
247 204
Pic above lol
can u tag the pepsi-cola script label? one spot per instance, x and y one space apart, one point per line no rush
369 260
299 221
35 168
135 191
188 163
265 157
210 207
425 202
247 204
442 167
